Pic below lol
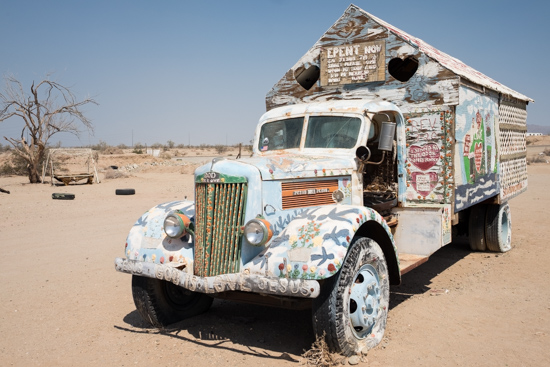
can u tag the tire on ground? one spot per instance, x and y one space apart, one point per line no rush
476 227
498 231
352 309
162 303
63 196
125 191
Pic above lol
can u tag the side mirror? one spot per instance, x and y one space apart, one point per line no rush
362 153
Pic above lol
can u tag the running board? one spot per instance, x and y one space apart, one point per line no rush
409 261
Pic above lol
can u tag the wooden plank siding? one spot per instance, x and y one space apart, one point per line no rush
431 85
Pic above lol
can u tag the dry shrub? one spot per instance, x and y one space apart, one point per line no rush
319 355
165 155
537 159
114 173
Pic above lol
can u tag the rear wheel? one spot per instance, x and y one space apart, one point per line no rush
353 305
162 303
476 227
499 228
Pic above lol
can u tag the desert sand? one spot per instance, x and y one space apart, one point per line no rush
63 303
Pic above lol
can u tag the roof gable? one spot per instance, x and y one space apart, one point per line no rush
434 80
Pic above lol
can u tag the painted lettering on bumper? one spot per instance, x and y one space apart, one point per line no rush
221 283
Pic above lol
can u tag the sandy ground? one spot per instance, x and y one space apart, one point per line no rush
63 304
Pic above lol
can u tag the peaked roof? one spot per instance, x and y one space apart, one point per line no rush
447 61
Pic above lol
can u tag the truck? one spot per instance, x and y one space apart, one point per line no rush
375 150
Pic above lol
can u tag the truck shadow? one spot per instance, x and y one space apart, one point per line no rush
276 333
417 281
264 332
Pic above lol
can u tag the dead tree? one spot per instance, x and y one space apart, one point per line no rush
50 108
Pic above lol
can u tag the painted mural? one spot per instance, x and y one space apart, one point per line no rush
428 157
476 148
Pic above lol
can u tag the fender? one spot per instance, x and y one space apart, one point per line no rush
147 241
315 243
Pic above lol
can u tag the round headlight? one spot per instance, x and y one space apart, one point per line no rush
176 224
257 232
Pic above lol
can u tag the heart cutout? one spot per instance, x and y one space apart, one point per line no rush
424 183
403 70
424 156
307 77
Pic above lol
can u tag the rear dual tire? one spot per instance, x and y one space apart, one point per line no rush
490 228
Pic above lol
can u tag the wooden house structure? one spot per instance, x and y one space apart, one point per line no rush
463 134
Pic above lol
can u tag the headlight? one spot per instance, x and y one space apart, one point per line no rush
258 232
176 225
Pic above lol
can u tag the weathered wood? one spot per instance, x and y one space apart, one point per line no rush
408 262
67 179
4 191
431 85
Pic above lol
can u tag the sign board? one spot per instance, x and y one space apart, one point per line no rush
354 63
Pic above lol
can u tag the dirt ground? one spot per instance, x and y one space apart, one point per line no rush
63 303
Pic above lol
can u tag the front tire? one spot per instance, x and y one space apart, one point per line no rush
352 309
162 303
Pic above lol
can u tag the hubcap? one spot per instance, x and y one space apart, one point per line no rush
364 302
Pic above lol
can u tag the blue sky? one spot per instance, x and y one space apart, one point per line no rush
198 72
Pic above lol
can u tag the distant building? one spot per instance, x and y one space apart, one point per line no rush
533 134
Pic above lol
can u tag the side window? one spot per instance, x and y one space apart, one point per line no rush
283 134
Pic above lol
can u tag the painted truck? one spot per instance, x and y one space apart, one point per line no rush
375 150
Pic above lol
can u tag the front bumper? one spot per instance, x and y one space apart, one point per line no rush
252 283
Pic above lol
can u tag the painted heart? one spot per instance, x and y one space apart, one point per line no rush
403 70
424 157
424 183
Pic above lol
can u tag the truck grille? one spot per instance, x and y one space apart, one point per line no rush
219 218
299 194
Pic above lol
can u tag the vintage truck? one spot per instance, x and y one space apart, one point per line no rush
376 148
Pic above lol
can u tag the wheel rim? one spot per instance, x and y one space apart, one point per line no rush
364 303
505 237
178 297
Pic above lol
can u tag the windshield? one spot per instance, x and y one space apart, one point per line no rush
332 132
283 134
322 132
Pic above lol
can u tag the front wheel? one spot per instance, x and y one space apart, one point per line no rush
353 305
161 303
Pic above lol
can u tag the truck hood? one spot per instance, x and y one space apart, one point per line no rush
279 167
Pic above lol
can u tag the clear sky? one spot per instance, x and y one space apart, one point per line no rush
198 71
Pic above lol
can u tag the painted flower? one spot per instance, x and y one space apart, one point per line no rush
153 257
322 272
162 260
281 266
293 238
313 269
289 267
317 241
331 267
304 267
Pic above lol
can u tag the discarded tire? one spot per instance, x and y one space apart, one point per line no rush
125 191
62 196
